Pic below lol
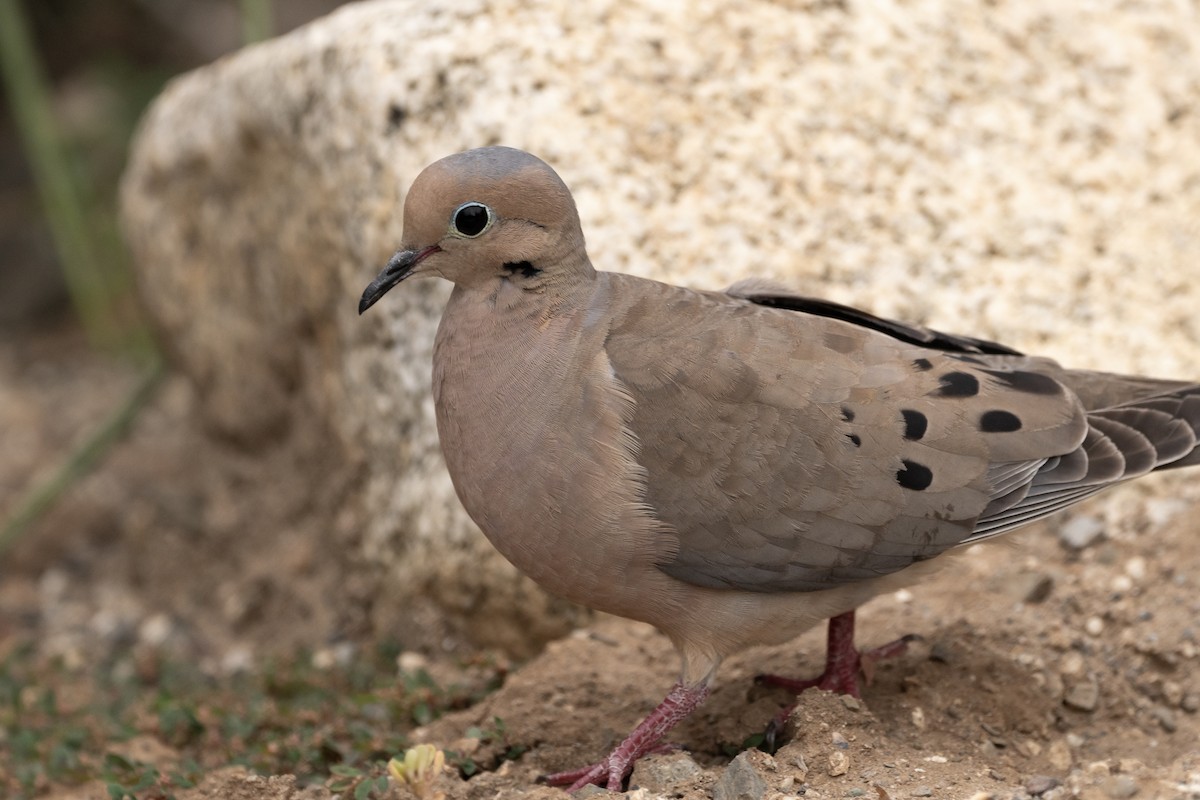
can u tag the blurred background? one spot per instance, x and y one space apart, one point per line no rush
77 75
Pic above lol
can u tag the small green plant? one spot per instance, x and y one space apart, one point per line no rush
127 779
498 733
419 770
370 783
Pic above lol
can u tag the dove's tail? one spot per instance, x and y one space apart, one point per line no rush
1171 422
1152 425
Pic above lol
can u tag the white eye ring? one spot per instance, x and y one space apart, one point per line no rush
471 219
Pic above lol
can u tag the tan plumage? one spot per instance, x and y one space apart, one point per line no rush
735 467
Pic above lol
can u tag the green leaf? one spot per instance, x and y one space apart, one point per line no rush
116 761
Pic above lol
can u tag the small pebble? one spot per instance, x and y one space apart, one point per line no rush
1120 787
410 661
1080 532
740 781
839 741
918 718
1166 720
1094 626
1072 664
941 653
1040 784
155 630
1059 755
660 775
851 702
839 763
1083 696
922 791
1135 568
1032 587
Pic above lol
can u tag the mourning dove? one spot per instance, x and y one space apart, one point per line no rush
732 467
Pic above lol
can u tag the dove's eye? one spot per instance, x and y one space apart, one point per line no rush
471 219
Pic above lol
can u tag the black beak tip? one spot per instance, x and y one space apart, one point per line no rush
366 301
399 267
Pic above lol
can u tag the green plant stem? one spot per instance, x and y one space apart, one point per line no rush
256 20
60 195
76 466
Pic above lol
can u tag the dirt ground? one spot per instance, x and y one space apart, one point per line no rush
1059 663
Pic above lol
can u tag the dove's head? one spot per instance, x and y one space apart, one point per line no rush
484 216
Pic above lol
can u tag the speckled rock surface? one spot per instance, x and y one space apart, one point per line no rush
1018 170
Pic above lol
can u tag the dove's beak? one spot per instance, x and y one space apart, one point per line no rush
399 267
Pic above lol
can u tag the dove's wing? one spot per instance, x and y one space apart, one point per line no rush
794 450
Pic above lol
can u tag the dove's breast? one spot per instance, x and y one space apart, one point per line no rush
534 429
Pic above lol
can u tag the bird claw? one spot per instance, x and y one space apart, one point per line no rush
610 769
613 769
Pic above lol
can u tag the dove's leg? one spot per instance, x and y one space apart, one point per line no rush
843 664
843 661
645 739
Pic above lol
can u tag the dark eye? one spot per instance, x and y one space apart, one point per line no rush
472 219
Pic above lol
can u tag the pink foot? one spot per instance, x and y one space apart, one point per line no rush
843 661
843 665
645 739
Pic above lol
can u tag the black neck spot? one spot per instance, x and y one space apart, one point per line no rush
847 413
922 364
854 439
526 269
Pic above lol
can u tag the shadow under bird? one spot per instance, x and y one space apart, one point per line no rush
732 467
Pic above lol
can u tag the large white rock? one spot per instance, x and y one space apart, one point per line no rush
1019 170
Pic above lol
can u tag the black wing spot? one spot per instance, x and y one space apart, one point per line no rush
526 269
915 424
914 476
923 364
1028 382
958 384
854 439
847 413
998 421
